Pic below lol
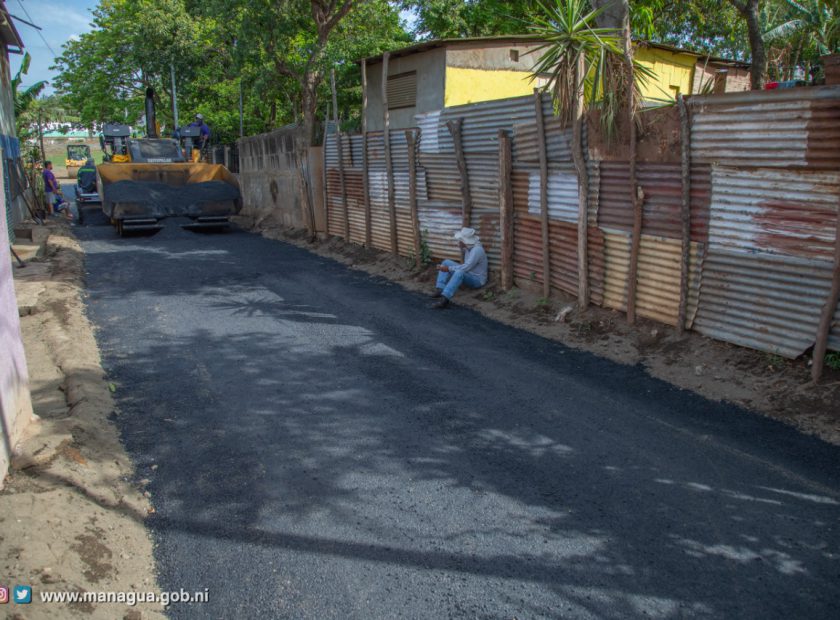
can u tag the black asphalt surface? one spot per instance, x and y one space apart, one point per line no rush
321 444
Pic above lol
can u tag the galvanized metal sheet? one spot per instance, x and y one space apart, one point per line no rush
763 301
781 211
785 128
557 143
438 222
659 277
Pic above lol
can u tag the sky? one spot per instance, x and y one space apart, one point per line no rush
60 20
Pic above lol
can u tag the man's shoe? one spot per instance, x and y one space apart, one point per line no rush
440 305
437 294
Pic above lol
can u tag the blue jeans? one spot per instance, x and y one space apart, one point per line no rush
450 281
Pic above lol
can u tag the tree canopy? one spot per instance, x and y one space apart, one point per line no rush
279 52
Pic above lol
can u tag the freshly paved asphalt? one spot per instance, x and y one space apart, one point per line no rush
321 444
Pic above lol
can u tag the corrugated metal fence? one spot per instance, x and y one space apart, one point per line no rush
764 180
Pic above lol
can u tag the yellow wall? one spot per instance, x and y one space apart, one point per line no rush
472 85
670 70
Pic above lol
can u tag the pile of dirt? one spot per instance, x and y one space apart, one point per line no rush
170 199
71 518
764 383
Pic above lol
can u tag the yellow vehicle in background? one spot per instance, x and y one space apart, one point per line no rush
142 181
77 156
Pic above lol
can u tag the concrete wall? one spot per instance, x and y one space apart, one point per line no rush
15 403
431 71
269 180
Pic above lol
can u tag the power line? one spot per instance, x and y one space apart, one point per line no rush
38 30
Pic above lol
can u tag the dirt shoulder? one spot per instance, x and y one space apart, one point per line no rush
767 384
71 518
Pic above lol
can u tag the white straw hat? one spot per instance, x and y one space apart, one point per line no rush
467 236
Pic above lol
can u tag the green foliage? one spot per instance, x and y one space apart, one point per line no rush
276 51
441 19
25 97
832 360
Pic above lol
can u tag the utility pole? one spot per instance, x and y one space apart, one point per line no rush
41 135
241 124
174 97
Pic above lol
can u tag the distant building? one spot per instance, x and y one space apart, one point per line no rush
436 74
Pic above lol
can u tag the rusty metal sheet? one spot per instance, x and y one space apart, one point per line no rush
797 127
662 187
781 211
763 301
528 262
442 176
834 334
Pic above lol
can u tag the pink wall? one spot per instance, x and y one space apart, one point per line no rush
15 404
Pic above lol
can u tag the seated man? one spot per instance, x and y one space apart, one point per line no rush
473 271
86 178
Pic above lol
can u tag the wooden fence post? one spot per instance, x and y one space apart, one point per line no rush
579 159
637 200
411 139
454 127
685 211
340 148
365 180
326 176
546 245
506 210
389 170
824 330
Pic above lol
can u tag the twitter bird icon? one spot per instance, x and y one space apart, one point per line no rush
22 594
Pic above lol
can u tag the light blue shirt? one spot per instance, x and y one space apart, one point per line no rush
475 263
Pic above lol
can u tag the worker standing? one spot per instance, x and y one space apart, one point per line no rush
205 133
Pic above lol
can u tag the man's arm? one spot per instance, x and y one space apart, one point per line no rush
470 260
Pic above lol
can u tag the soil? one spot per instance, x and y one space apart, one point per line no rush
761 382
71 519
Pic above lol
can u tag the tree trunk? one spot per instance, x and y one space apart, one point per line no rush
750 10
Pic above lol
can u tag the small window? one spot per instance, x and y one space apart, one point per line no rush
402 90
514 55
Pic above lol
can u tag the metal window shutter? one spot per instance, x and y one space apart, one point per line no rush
402 90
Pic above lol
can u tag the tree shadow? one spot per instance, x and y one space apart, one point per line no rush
303 424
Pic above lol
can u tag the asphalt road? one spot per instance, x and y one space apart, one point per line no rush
321 444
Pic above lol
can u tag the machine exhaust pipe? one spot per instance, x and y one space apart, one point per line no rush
151 121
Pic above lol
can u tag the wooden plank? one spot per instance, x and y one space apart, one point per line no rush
637 200
506 209
454 127
365 179
546 247
824 329
339 146
583 190
389 169
685 210
411 139
326 193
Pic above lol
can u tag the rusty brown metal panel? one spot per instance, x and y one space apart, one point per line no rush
662 186
616 269
792 212
763 301
443 178
527 260
787 128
